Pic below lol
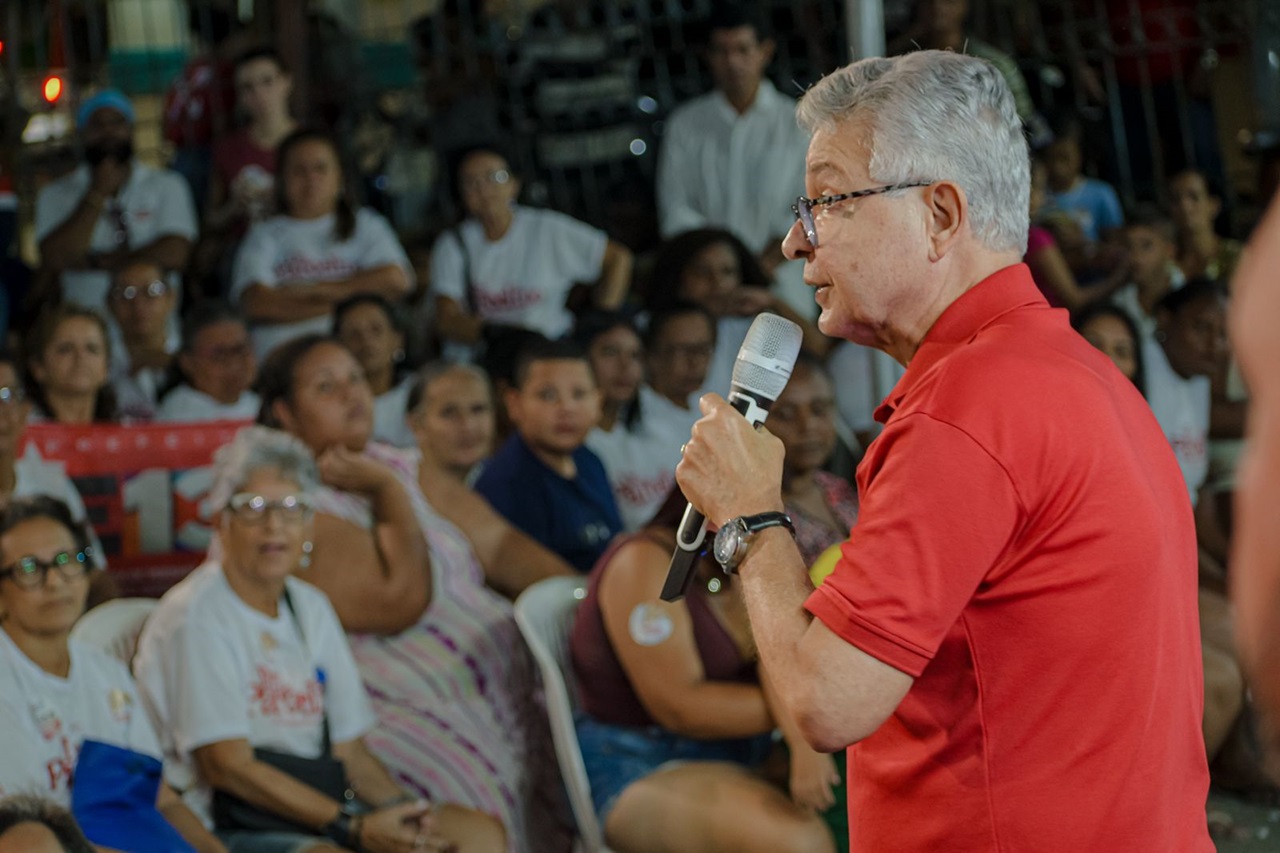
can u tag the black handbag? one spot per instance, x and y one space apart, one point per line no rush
326 774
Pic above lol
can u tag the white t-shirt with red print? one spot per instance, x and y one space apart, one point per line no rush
44 718
211 668
523 278
284 250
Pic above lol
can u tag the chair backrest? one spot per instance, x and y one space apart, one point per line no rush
114 626
544 613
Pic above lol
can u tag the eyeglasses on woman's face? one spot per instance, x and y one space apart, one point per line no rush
253 509
31 572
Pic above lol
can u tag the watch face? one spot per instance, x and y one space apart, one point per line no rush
728 544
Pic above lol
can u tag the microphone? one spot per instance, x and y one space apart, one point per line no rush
760 373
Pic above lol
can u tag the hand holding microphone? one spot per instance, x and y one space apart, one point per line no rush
728 468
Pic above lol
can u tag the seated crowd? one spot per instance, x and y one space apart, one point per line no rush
424 452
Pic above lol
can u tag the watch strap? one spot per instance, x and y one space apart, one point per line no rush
765 520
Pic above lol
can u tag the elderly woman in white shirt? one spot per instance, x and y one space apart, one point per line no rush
241 658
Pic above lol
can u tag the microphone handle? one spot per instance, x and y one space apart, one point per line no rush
693 526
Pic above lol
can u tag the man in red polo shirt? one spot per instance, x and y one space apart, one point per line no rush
1010 640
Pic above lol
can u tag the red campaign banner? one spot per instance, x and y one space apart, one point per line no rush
143 488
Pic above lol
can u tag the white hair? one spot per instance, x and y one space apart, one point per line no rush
936 115
258 448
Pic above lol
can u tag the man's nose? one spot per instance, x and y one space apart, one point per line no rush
795 246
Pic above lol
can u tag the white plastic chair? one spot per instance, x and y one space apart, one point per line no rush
114 626
544 613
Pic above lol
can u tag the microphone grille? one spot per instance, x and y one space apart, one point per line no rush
767 355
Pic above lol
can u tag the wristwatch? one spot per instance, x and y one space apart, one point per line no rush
735 536
344 828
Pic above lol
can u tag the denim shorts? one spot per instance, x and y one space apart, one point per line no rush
616 756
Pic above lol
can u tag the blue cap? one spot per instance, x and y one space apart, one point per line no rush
112 99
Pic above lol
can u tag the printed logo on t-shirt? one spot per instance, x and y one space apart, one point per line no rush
62 767
272 696
510 298
302 268
47 721
642 491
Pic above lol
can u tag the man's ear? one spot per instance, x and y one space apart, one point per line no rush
768 47
947 215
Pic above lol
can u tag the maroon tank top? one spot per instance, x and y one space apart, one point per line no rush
606 691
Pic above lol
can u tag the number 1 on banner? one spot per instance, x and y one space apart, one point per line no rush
148 507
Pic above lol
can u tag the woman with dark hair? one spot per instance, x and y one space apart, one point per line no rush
371 327
676 719
55 692
716 270
637 444
506 265
68 359
292 269
1113 332
433 637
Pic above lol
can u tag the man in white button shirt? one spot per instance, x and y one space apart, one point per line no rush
112 210
733 158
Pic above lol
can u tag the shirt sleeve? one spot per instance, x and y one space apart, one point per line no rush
579 248
675 186
448 272
350 714
380 245
255 262
175 210
937 511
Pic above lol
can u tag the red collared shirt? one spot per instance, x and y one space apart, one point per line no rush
1026 551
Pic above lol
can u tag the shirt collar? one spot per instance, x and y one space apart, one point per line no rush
766 94
996 295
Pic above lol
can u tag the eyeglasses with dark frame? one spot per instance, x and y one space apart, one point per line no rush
252 509
803 208
31 572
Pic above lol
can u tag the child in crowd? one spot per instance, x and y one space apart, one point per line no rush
144 306
217 368
1082 211
544 480
1148 239
1201 252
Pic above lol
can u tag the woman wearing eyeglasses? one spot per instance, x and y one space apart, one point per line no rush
56 693
508 265
241 657
68 356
